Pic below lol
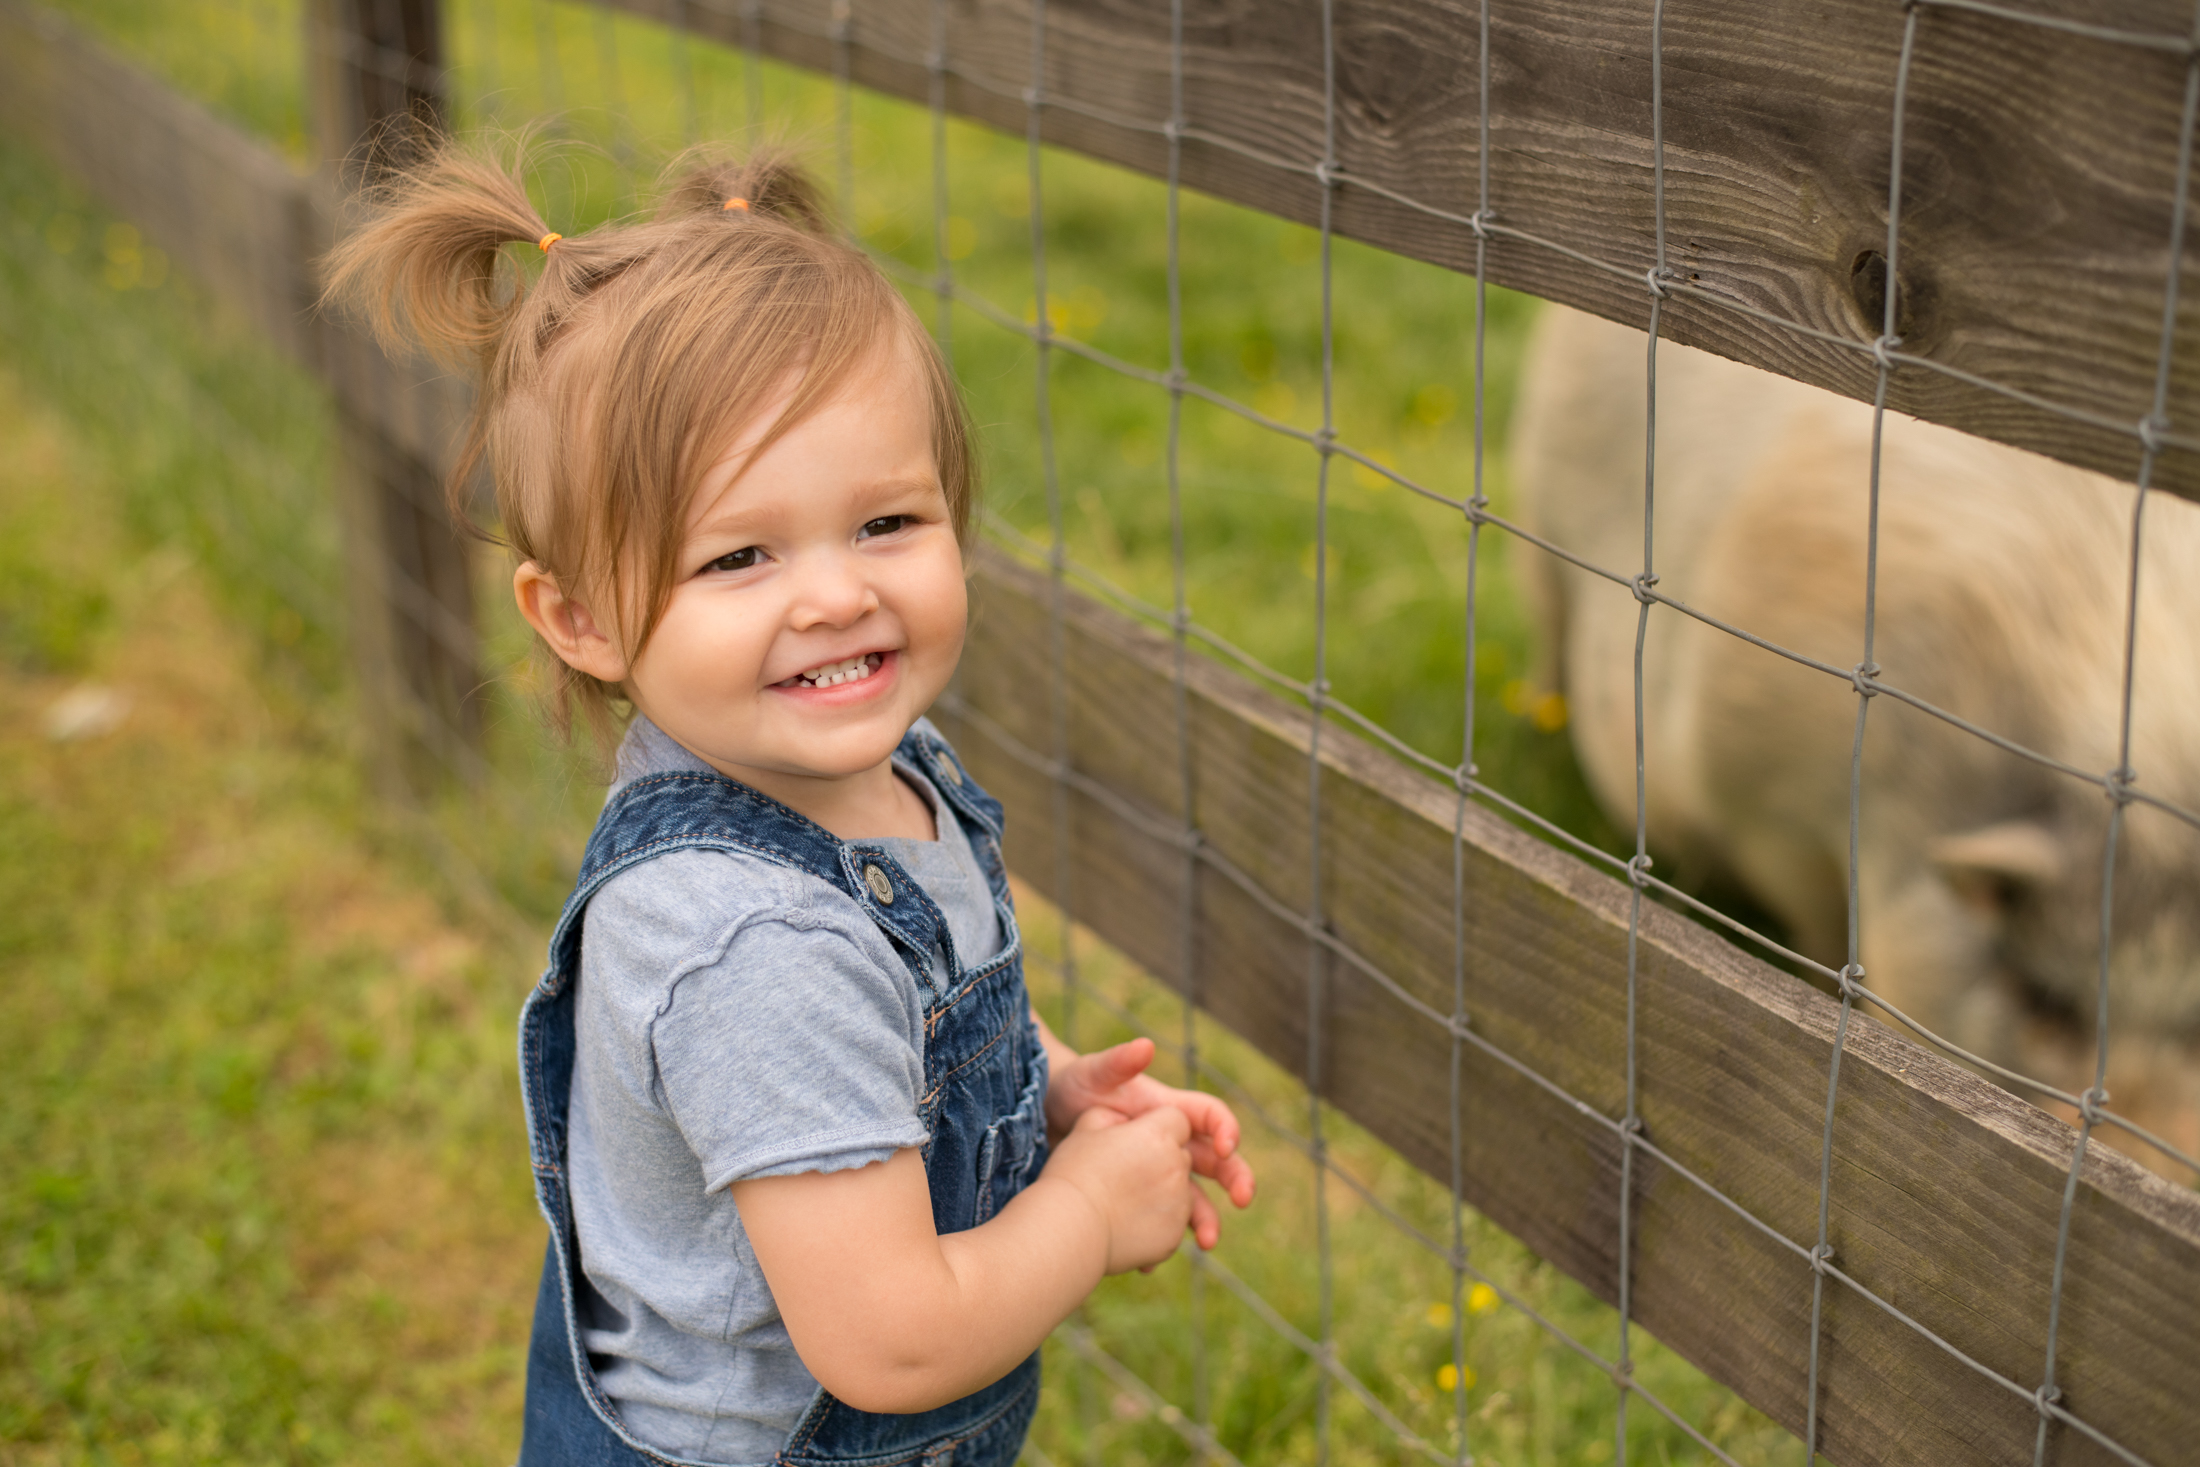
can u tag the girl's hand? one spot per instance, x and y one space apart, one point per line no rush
1137 1175
1116 1079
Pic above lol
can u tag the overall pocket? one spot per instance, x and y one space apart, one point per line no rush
1014 1147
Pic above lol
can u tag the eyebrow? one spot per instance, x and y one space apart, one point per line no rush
733 510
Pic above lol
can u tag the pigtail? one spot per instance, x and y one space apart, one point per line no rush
769 183
424 268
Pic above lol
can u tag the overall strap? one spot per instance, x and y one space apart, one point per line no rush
661 813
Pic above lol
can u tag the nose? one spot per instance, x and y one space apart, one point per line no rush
832 590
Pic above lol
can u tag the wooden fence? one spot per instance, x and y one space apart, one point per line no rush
1947 1191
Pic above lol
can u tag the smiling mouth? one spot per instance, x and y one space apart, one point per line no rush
832 674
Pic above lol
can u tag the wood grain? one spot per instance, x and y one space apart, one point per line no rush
2038 168
1946 1190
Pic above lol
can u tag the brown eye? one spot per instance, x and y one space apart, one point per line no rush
746 558
883 525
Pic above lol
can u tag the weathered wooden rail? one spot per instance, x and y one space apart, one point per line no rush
2038 166
1946 1191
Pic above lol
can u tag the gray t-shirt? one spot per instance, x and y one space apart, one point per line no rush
735 1019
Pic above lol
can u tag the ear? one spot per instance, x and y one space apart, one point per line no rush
1992 864
566 625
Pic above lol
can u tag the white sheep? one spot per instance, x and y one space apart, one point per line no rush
2001 598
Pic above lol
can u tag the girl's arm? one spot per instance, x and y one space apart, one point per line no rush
890 1316
1116 1078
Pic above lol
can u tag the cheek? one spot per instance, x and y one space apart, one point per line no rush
937 599
701 644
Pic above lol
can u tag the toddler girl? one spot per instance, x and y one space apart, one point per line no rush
818 1182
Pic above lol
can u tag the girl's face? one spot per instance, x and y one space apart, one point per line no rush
819 606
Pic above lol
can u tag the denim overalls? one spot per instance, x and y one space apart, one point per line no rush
983 1106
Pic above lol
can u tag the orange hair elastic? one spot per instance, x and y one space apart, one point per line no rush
546 241
736 203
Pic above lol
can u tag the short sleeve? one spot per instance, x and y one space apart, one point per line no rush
798 1048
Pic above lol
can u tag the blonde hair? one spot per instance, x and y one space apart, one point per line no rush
611 382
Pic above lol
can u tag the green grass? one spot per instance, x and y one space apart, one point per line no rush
257 1057
263 1193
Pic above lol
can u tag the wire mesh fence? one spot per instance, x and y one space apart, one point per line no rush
1198 435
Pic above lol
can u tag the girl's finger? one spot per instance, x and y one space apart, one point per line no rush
1110 1069
1235 1177
1234 1174
1211 1118
1098 1118
1206 1223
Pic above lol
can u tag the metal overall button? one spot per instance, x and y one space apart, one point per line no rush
947 767
881 887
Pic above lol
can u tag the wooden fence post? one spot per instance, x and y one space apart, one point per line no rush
375 72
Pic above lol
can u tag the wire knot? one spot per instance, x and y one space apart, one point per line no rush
1325 440
2151 429
1851 980
1177 380
1642 585
1480 220
1655 277
2117 784
1328 174
2046 1398
1031 96
1173 130
1863 678
1638 871
1821 1258
2090 1103
1459 1026
1631 1127
1463 777
1883 350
